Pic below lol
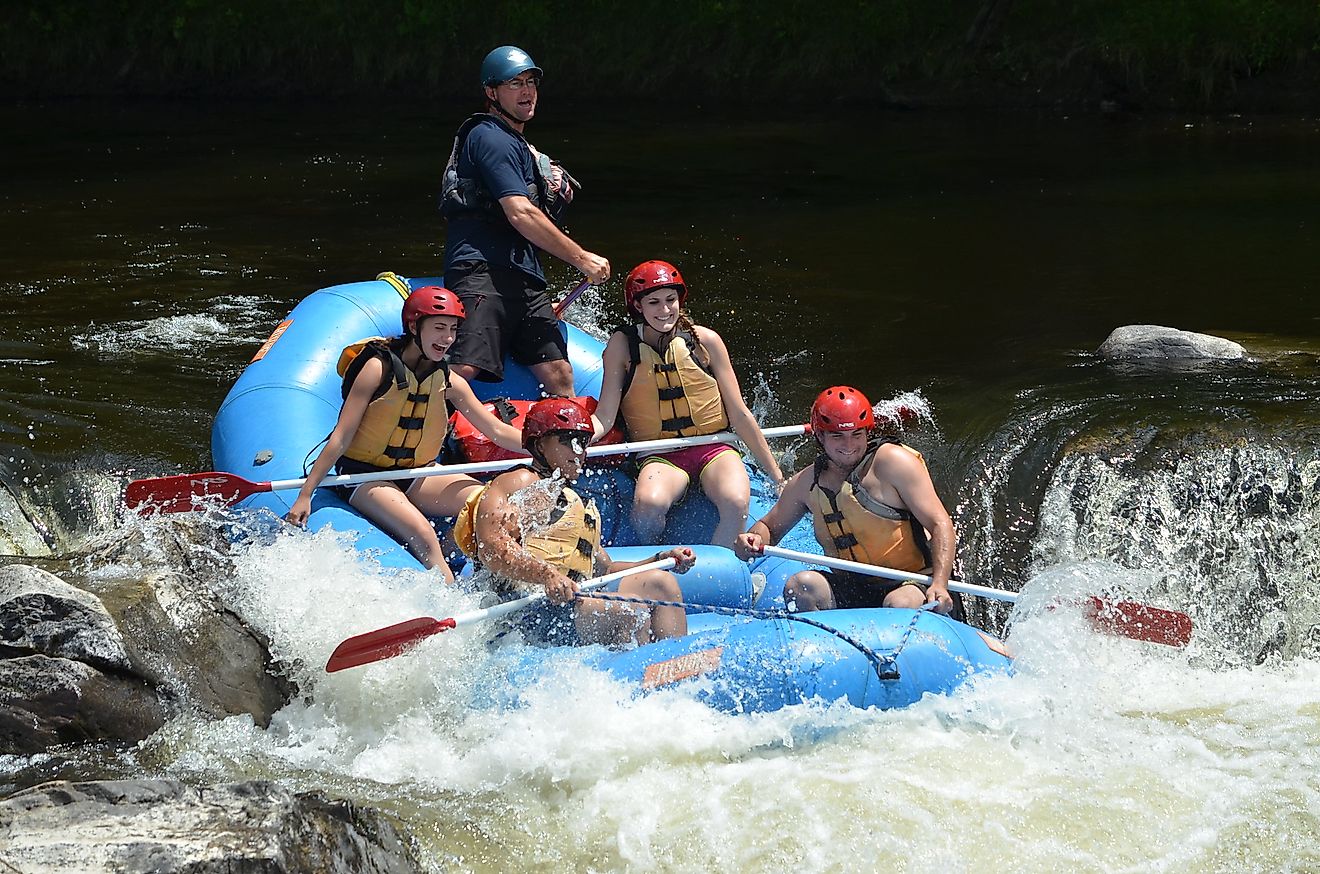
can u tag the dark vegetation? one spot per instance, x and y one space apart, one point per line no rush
1183 54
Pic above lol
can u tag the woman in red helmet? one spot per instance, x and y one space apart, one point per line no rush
667 377
531 530
872 501
394 417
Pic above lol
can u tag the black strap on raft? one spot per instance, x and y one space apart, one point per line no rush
886 667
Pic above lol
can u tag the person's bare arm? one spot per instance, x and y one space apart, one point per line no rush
350 419
908 476
460 395
533 224
742 421
770 528
499 540
615 365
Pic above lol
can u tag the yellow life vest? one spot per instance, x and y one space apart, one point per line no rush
672 395
406 422
567 542
853 525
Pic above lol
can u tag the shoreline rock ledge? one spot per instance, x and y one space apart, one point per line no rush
1156 343
165 825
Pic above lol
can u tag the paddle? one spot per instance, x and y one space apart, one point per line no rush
570 297
1124 618
182 492
384 643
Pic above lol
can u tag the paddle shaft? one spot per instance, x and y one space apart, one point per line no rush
844 564
1125 618
503 464
570 297
508 607
384 643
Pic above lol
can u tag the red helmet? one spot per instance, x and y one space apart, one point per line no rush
841 408
648 276
554 414
430 300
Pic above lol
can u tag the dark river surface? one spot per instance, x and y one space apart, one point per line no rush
147 249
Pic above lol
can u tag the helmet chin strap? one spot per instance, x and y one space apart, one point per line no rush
502 111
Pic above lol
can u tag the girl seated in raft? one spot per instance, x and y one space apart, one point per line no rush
394 418
667 377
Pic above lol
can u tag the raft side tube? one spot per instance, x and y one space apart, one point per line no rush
759 665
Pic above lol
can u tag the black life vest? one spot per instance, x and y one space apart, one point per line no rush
551 191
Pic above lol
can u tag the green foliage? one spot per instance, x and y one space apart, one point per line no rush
732 49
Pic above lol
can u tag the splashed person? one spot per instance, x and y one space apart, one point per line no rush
394 418
531 530
871 500
668 377
503 201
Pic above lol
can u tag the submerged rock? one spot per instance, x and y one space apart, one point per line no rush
47 701
179 634
1154 343
164 825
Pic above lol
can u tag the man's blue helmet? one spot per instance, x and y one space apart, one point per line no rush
505 62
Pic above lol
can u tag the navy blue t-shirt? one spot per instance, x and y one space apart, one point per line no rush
504 165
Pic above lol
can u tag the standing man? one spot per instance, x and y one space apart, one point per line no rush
503 201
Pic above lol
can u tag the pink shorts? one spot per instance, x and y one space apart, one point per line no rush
693 460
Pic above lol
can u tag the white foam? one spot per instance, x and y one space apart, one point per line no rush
1100 754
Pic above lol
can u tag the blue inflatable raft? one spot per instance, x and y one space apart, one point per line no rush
749 657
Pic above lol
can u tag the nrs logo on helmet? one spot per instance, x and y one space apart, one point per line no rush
841 408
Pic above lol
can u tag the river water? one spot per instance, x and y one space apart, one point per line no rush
147 249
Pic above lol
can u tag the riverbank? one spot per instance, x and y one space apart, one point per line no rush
1215 55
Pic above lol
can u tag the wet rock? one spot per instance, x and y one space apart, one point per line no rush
46 701
180 635
164 825
1154 343
40 613
182 638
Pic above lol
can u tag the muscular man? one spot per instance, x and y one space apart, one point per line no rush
870 501
531 530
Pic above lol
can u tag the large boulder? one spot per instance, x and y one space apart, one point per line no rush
179 634
196 650
40 613
1155 344
164 825
47 701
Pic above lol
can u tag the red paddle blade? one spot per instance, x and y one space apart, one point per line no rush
1140 621
384 643
177 494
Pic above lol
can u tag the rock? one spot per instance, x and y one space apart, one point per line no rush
179 634
181 637
1153 343
40 613
164 825
46 701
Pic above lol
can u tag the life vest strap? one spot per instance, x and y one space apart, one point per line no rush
672 393
845 541
677 424
398 453
664 367
584 546
411 423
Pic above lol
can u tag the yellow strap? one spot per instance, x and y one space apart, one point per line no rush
400 284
